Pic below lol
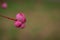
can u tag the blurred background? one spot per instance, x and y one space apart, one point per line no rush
43 20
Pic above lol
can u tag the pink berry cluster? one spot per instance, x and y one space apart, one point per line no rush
21 19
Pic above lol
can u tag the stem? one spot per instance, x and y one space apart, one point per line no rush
8 18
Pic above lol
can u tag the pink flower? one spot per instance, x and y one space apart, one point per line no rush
19 24
21 17
4 5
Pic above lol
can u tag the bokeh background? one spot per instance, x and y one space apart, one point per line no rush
43 20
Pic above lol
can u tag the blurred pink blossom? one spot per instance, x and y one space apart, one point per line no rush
4 5
21 17
17 24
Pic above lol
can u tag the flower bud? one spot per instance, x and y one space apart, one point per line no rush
21 17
